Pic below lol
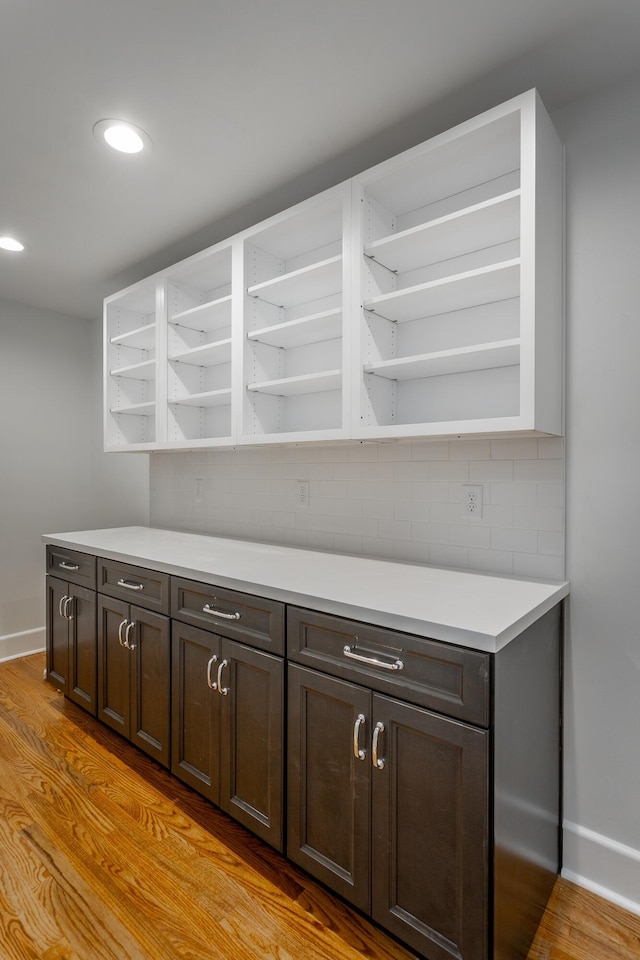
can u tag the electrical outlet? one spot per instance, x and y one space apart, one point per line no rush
199 491
302 493
472 500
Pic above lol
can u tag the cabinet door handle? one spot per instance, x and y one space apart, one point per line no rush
68 605
129 585
63 565
211 683
220 613
350 653
358 752
222 690
130 627
120 629
377 761
61 605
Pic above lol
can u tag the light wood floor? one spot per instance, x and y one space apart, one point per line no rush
105 856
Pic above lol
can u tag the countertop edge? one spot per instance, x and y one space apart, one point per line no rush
438 630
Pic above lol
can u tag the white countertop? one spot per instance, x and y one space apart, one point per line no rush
476 610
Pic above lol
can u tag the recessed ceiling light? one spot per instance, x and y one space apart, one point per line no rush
122 135
12 244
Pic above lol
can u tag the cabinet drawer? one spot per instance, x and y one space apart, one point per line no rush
451 680
240 616
71 565
145 588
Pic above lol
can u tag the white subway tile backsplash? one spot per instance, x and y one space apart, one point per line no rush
400 500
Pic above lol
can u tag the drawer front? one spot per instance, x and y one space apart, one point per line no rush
71 565
144 588
239 616
451 680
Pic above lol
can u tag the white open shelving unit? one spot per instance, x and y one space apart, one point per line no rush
459 305
295 348
199 321
130 367
421 298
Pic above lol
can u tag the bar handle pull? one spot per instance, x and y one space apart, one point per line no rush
358 752
377 761
220 613
350 653
129 585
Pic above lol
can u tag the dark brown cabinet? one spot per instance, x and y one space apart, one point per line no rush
134 681
71 625
388 805
71 641
421 778
228 710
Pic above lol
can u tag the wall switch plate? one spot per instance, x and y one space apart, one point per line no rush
302 493
472 500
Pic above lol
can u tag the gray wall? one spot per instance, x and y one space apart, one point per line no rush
602 765
53 475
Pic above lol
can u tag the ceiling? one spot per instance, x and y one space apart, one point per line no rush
252 105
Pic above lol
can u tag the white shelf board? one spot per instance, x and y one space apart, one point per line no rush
315 328
499 281
143 338
318 280
207 317
206 355
503 353
294 386
146 409
210 398
474 228
146 370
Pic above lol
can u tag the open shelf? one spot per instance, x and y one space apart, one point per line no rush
142 338
206 317
293 386
314 328
144 409
486 285
205 355
486 224
313 282
145 370
484 356
209 398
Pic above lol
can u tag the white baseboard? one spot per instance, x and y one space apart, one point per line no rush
602 865
22 644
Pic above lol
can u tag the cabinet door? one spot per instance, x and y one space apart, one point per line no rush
430 831
114 666
329 782
57 635
251 688
195 728
149 655
82 648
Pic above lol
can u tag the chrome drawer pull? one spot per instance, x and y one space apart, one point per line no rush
372 661
378 762
68 606
120 629
210 682
358 752
63 600
63 565
220 613
128 585
223 691
130 626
